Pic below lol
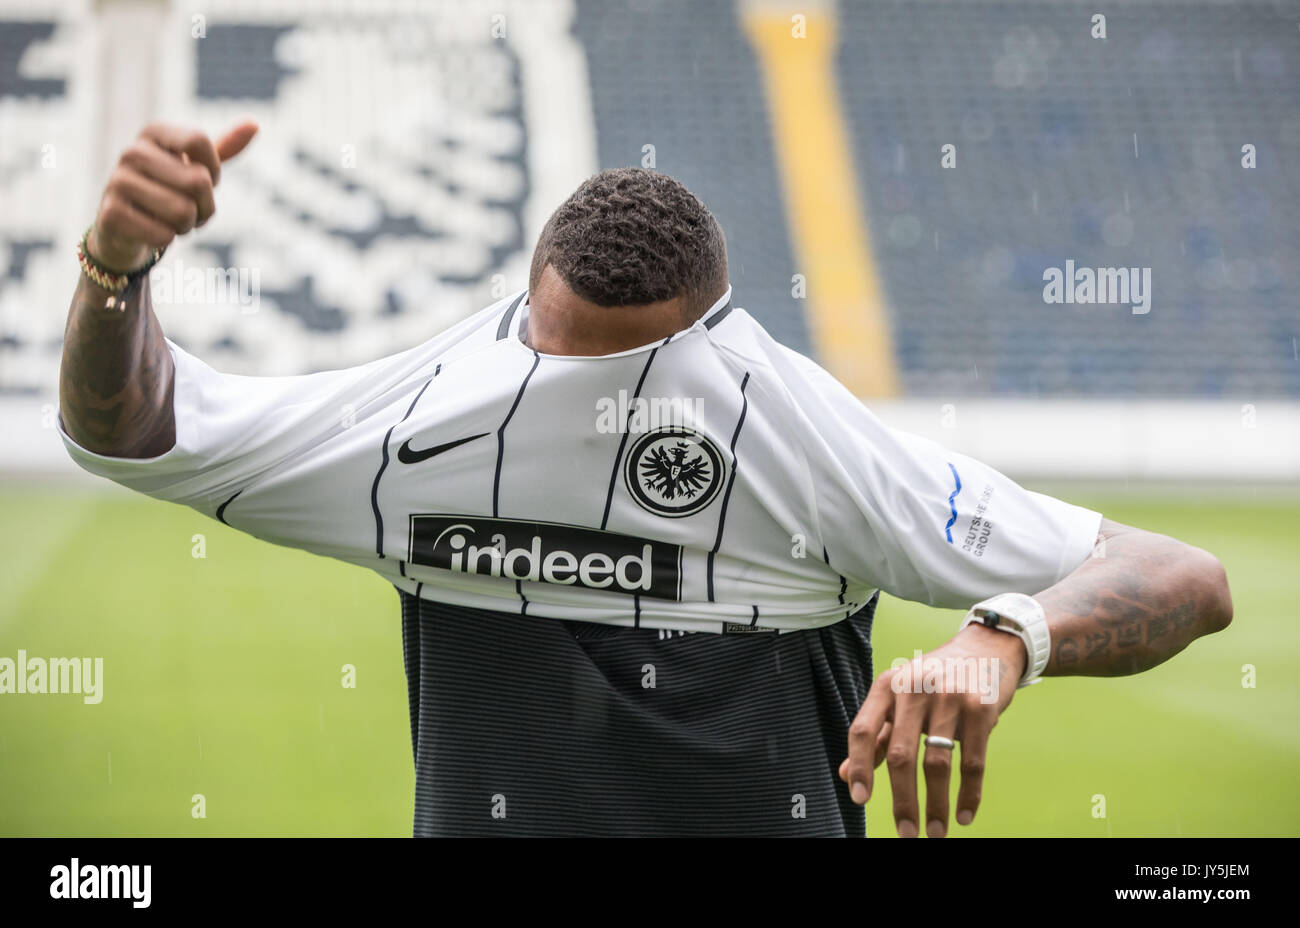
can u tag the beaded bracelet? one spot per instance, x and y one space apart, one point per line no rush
116 284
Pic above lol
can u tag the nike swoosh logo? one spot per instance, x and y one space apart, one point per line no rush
408 455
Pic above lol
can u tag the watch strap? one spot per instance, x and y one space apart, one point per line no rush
1024 617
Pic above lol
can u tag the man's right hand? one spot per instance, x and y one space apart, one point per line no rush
116 379
161 188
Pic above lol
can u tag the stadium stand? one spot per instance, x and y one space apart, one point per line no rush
411 154
1046 117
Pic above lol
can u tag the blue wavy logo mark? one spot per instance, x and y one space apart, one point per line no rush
947 529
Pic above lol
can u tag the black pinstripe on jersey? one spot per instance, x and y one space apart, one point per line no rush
726 496
501 434
622 442
503 329
383 465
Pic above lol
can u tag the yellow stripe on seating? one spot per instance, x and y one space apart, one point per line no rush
846 308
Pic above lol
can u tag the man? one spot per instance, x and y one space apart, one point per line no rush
637 542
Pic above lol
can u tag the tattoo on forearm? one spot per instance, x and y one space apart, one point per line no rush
1067 652
1158 626
115 383
1128 611
1097 644
1182 616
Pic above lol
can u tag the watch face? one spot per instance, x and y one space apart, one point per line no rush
994 619
989 617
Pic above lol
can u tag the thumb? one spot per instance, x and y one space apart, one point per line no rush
234 141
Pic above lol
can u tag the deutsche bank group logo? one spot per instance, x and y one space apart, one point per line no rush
674 472
547 552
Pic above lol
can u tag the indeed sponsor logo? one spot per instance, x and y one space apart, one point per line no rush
547 552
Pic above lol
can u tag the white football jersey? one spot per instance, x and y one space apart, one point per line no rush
712 481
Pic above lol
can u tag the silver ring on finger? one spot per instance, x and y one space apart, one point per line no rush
937 741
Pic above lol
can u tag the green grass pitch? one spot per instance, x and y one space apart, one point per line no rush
223 678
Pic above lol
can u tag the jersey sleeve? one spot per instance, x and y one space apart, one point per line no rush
230 428
903 514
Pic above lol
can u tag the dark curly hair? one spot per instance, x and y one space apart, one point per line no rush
630 236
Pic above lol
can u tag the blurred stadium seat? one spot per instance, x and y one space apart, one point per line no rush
1047 118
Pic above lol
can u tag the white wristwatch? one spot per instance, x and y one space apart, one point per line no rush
1022 616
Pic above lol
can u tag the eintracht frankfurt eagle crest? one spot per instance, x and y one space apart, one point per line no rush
674 472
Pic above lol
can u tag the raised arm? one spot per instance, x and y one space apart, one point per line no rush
115 381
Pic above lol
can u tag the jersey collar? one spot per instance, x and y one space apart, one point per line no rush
717 312
515 324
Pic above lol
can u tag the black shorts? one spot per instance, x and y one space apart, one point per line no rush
529 726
